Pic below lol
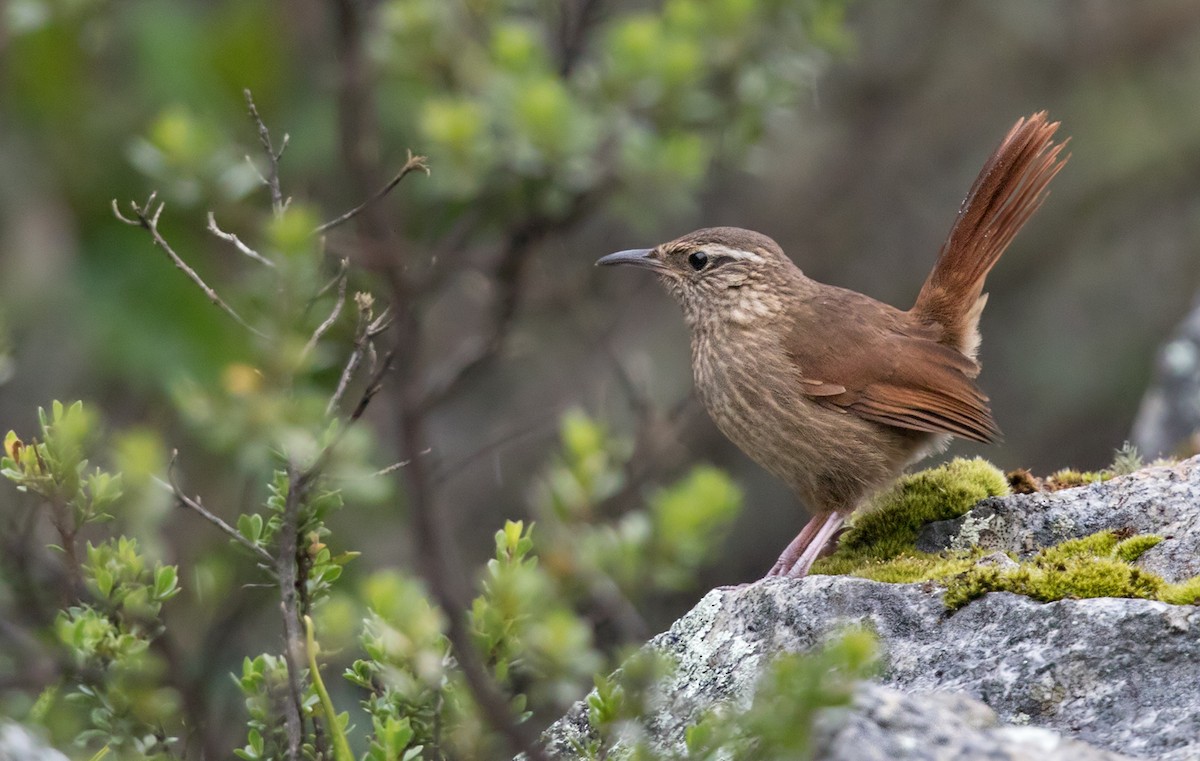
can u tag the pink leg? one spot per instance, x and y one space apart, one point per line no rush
797 547
828 530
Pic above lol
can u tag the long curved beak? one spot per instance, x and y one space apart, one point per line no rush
638 257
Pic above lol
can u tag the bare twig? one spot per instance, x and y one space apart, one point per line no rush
398 465
194 504
146 217
264 136
546 424
337 310
508 275
236 241
368 328
373 387
413 164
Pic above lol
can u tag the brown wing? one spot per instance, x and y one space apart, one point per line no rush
886 367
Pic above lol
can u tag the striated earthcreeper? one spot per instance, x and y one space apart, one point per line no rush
830 390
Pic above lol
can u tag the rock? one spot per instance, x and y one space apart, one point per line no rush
1169 416
888 725
19 744
1003 677
1161 500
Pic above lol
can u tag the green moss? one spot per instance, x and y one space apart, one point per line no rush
916 567
1184 593
1069 479
1099 565
880 543
1132 548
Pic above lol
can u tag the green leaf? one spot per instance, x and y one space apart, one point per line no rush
165 581
250 526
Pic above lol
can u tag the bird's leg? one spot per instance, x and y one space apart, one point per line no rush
832 523
793 551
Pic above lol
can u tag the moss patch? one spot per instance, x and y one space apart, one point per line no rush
880 545
1184 593
1099 565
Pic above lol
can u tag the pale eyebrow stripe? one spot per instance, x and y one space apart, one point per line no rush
717 250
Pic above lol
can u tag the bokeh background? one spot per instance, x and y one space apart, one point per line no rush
857 170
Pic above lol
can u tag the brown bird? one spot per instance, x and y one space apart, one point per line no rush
830 390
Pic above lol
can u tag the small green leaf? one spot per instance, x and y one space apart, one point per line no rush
250 526
165 580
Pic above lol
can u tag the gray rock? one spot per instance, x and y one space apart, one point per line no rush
1169 415
19 744
1005 677
1161 500
888 725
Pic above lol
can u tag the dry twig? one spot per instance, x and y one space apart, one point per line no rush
413 164
236 241
369 327
341 280
271 180
195 505
146 217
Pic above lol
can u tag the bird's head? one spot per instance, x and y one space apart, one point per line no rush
725 274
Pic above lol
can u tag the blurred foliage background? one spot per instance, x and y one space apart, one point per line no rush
558 132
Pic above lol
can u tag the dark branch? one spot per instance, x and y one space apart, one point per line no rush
293 646
438 558
508 275
358 122
574 28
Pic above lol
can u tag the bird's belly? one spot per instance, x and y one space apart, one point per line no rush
830 458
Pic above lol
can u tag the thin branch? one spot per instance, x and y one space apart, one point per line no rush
236 241
264 137
368 328
373 387
544 425
413 164
184 500
398 465
508 275
337 311
146 217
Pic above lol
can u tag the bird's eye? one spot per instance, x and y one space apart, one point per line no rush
698 260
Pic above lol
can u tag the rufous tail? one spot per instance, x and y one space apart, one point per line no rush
1010 188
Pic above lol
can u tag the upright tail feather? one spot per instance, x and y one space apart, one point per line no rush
1009 189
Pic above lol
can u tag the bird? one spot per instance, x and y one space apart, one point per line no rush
833 392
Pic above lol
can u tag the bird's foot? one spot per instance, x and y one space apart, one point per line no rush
798 558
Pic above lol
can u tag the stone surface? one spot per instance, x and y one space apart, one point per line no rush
19 744
1005 676
888 725
1169 416
1161 500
